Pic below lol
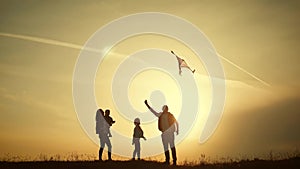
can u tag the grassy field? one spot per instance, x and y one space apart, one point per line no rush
292 163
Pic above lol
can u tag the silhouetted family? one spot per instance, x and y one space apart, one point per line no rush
167 124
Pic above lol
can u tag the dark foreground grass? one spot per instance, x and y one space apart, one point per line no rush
292 163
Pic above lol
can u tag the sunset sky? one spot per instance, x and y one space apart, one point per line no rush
37 114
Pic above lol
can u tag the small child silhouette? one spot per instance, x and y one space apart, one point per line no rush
137 134
109 120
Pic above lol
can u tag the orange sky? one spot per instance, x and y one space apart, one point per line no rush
37 111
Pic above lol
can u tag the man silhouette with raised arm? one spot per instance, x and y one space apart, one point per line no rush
167 124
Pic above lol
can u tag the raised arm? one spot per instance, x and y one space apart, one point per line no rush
150 108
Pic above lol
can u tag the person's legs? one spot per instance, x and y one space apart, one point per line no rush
167 156
105 140
138 148
109 147
133 154
102 144
134 151
173 149
100 154
164 137
171 139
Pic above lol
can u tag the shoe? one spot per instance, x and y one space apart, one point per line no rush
109 156
100 154
174 162
167 162
174 155
167 155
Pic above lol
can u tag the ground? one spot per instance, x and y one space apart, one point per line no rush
293 163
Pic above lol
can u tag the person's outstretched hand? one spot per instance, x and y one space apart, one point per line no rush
146 102
144 138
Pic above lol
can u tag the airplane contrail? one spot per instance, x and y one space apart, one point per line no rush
49 41
243 70
80 47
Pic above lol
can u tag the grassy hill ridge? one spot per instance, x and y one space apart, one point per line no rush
293 163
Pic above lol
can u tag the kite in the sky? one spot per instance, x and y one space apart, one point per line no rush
182 63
